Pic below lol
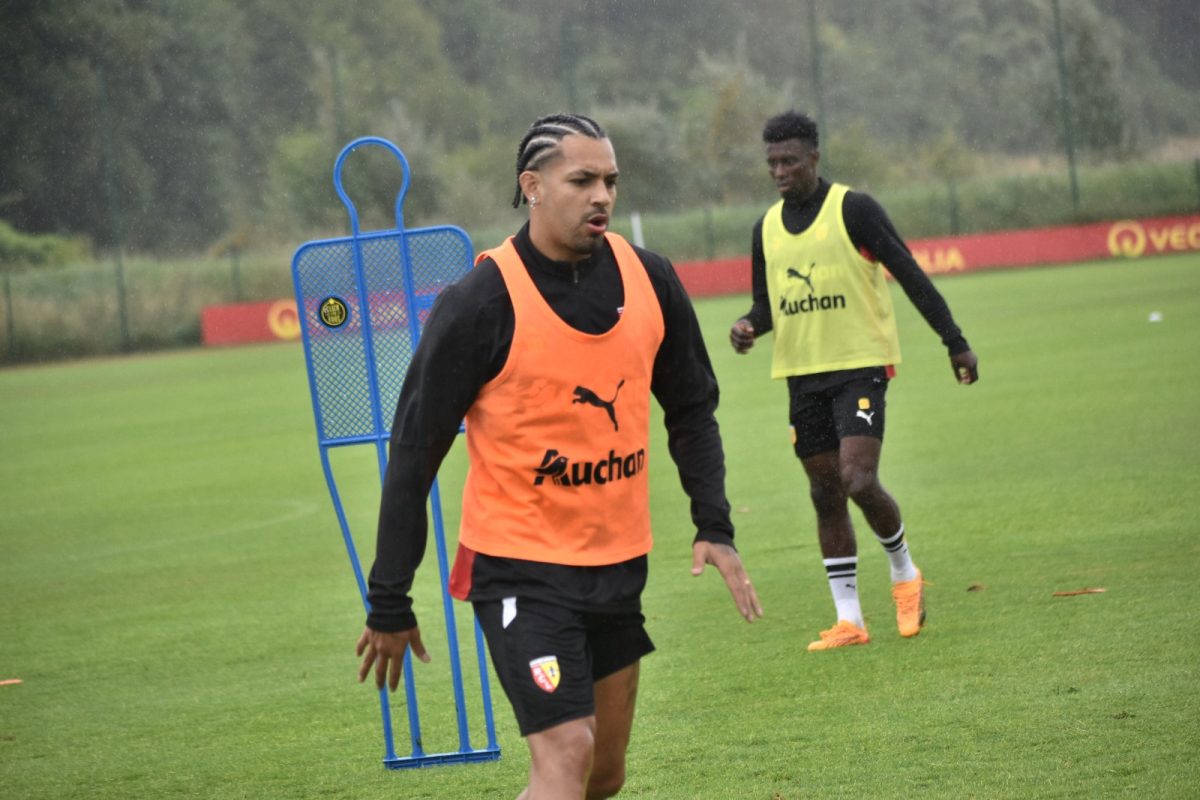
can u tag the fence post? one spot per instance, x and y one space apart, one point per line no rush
114 210
1197 163
236 269
955 227
814 44
122 303
1065 100
635 225
9 326
710 236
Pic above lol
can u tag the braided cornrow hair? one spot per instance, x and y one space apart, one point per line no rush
543 138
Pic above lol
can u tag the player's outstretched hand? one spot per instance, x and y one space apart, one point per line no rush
386 652
741 336
729 564
966 367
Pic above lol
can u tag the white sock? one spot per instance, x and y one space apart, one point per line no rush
843 583
896 547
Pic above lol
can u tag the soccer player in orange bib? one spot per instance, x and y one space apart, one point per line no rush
817 259
551 349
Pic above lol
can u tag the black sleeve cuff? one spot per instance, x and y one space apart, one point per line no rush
391 622
715 537
759 319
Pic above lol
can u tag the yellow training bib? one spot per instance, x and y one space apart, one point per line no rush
830 306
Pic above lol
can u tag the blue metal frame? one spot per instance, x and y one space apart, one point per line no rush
416 304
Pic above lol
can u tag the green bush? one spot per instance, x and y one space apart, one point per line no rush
21 251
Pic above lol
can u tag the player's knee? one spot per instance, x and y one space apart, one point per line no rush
860 483
827 498
605 783
608 771
563 753
577 745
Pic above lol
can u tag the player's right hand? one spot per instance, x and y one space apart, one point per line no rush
966 367
729 564
741 336
386 652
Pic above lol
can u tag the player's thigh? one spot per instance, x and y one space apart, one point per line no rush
541 655
813 427
859 408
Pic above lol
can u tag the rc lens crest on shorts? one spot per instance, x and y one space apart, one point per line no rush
545 672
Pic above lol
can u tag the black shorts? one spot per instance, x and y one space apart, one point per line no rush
821 419
548 657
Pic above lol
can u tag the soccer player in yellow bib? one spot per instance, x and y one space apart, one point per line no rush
817 264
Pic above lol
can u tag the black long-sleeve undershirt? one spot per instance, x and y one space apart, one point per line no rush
871 232
465 344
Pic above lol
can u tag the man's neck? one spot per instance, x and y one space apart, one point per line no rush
552 251
812 194
536 258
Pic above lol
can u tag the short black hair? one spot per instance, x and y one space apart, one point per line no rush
544 136
791 125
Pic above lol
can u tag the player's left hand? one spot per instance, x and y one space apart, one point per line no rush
385 651
741 336
966 367
729 564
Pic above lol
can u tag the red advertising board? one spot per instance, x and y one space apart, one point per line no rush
1062 245
278 321
250 322
1130 238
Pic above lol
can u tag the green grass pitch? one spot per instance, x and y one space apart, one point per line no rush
175 598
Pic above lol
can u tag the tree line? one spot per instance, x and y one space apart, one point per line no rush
184 126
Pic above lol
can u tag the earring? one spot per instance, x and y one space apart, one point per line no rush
533 201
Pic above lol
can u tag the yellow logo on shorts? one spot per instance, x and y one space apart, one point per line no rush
864 403
545 672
